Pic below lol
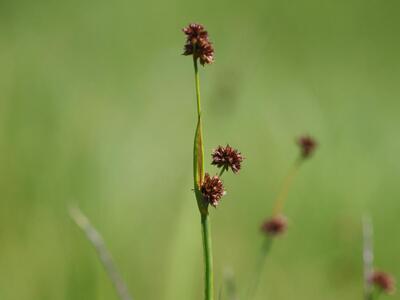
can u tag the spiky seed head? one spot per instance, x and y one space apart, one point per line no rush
383 281
212 189
307 146
198 44
275 225
227 157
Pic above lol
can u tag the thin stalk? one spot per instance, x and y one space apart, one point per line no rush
287 182
230 285
221 293
198 149
368 256
208 261
198 174
104 255
374 295
222 171
265 248
197 80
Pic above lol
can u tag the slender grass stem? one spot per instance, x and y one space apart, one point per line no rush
230 286
198 150
197 80
287 182
104 255
265 248
368 256
198 174
374 295
208 261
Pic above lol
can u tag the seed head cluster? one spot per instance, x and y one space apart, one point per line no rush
383 281
212 189
227 157
275 226
307 146
198 44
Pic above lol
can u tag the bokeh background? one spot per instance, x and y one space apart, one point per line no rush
97 109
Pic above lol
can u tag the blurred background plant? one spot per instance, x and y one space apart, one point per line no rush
94 108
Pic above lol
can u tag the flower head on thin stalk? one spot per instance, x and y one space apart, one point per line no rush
227 157
198 44
275 226
383 281
212 189
307 146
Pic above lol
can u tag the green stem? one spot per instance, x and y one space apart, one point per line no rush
198 151
197 80
222 172
371 294
374 295
198 170
287 182
265 248
208 260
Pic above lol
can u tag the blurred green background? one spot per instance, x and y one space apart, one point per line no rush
97 108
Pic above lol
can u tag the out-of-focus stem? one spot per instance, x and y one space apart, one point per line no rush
374 294
287 182
368 256
230 286
265 248
104 255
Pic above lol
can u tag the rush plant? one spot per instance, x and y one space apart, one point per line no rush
276 225
208 189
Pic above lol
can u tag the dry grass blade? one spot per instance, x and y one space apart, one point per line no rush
104 255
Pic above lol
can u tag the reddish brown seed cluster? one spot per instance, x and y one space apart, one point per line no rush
307 146
275 225
227 157
198 44
212 189
383 281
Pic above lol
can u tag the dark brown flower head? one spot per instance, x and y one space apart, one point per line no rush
227 157
275 225
195 32
198 44
307 146
212 189
383 281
